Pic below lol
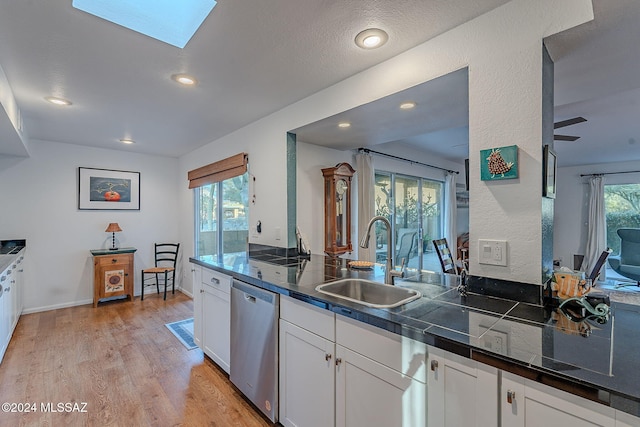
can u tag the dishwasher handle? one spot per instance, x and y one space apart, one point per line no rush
253 293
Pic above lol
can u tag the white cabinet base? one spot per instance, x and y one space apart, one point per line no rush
307 378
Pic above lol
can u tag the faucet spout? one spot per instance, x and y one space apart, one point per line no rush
389 272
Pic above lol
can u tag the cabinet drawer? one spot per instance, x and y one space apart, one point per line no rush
112 259
392 350
313 319
216 280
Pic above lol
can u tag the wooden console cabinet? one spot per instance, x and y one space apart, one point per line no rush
112 273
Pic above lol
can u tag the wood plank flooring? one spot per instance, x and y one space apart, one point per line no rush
121 361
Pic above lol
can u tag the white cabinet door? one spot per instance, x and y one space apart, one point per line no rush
216 325
371 394
196 277
6 308
462 392
18 289
307 378
528 404
626 420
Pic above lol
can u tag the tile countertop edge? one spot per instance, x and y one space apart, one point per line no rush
583 388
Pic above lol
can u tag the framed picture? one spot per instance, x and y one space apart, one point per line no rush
499 163
549 165
105 189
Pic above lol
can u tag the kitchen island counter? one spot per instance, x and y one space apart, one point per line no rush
595 358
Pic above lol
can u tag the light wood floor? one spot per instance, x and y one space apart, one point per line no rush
124 363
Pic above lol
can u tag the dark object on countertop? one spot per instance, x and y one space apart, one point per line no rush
595 272
595 298
9 247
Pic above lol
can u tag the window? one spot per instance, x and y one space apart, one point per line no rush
222 218
413 205
622 210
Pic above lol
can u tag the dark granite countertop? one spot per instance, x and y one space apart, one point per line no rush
596 358
9 252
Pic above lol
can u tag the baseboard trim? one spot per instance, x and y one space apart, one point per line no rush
81 302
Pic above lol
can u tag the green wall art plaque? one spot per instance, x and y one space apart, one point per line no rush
499 163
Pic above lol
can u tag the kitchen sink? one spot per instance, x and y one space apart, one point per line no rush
369 293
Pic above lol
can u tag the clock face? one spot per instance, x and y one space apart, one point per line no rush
341 186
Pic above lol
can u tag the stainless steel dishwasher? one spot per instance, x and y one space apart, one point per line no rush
254 345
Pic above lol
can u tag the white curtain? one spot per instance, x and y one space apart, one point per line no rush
597 236
366 203
450 212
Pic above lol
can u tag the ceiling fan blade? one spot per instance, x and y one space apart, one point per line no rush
569 122
565 138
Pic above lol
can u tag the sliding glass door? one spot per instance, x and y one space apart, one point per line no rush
413 207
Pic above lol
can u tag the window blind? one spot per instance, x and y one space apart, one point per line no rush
218 171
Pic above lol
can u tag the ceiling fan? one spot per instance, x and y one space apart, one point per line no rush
565 123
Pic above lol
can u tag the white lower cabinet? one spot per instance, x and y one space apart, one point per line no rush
11 284
336 371
307 365
626 420
306 378
380 377
369 393
462 392
525 403
212 314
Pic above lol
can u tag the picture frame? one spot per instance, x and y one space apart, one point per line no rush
107 189
550 167
499 163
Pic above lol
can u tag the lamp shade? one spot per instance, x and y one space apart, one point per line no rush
113 227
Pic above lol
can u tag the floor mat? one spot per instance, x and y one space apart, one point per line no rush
183 330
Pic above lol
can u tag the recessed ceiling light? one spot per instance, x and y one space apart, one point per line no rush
57 101
127 141
407 105
184 79
371 38
344 124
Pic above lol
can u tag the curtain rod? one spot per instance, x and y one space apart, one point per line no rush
606 173
366 150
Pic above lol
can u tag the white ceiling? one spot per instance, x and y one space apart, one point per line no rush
251 58
595 77
254 57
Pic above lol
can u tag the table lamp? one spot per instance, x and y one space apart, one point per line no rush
112 228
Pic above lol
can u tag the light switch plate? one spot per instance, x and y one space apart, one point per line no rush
492 252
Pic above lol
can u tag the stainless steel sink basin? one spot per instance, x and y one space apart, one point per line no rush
369 293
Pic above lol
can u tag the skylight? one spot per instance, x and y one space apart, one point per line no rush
173 22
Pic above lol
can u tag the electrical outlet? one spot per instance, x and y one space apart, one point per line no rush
492 252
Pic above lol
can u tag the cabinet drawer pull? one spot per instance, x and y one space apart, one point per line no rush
434 365
214 280
510 396
338 361
327 357
114 260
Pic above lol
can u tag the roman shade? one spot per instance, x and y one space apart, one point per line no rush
218 171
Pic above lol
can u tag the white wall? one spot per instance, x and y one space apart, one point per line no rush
503 50
572 205
40 204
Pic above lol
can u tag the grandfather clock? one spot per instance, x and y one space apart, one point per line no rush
337 209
